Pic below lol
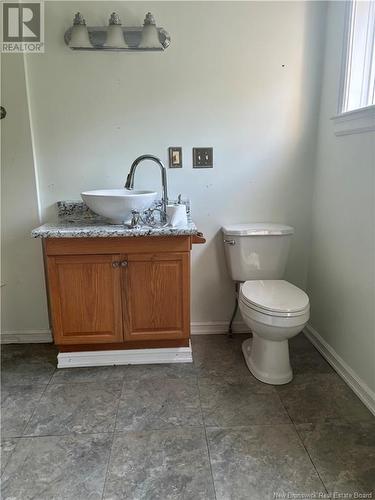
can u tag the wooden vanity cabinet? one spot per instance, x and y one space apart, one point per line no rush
121 292
85 299
156 296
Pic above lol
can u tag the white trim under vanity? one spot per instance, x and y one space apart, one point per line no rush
125 357
358 386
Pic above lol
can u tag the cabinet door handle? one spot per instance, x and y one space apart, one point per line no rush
124 263
230 242
115 263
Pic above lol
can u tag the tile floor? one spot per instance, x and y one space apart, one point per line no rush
204 431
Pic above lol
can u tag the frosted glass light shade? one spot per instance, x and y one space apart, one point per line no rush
150 35
115 37
79 37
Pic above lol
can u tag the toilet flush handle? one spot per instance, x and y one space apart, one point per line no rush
230 242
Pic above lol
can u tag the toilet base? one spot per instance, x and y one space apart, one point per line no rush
268 360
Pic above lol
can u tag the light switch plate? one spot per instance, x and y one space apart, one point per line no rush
203 158
175 157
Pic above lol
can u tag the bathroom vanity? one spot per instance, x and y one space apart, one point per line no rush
115 288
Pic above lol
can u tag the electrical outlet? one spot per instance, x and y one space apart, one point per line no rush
203 158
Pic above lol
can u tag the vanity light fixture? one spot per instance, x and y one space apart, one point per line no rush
115 35
80 35
150 35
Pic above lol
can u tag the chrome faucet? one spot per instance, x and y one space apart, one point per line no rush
129 184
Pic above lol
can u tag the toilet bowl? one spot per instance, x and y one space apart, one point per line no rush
275 311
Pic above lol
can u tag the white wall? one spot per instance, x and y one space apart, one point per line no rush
221 83
341 282
23 296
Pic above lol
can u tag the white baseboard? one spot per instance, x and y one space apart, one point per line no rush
215 327
45 336
26 337
361 389
125 357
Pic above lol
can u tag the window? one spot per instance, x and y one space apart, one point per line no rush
359 80
356 107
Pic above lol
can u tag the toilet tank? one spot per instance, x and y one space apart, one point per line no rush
256 251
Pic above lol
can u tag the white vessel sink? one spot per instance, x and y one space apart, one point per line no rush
117 204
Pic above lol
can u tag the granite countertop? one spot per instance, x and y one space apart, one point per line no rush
75 220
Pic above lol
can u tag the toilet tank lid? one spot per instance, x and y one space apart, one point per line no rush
256 229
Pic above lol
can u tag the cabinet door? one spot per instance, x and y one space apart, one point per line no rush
85 295
156 296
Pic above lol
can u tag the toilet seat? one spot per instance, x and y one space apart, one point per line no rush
275 320
277 298
265 312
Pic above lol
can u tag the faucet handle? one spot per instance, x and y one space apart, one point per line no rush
135 218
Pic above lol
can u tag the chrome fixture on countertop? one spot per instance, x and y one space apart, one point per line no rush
130 181
147 218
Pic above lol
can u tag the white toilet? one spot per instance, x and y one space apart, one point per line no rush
274 309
